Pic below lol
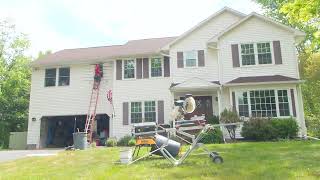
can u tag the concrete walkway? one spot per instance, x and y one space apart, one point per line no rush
18 154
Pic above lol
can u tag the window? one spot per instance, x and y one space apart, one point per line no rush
283 103
256 53
263 103
156 67
50 77
190 58
136 112
64 76
129 68
150 111
243 104
264 53
247 54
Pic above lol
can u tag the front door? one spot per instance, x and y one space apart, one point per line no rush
203 106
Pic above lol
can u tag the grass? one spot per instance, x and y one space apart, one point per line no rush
248 160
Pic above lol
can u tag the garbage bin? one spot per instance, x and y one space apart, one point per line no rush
80 140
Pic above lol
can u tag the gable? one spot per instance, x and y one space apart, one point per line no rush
207 28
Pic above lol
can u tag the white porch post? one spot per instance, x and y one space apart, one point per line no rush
303 129
220 100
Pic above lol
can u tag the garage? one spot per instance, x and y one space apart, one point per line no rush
56 131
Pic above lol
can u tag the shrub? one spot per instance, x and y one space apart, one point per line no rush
132 142
259 129
262 129
111 142
124 140
285 128
313 126
213 120
228 116
213 136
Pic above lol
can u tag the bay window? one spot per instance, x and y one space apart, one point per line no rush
263 103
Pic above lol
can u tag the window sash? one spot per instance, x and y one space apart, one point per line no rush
136 112
190 58
129 69
247 54
50 77
150 111
264 53
64 76
143 112
156 67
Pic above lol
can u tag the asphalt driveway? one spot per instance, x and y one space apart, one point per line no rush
18 154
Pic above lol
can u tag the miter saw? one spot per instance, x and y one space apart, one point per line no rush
158 136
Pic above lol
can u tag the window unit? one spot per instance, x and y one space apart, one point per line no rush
156 67
190 58
256 53
263 103
64 76
128 69
143 112
50 77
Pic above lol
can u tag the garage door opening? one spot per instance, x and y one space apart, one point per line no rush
56 131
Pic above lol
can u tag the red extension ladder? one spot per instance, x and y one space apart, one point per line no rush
92 110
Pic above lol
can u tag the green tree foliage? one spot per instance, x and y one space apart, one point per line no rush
15 75
303 15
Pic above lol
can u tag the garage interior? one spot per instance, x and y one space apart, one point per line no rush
56 131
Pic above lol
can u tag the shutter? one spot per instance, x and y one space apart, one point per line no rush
139 68
201 58
160 112
235 55
145 68
277 52
234 108
119 70
166 66
180 59
125 115
293 103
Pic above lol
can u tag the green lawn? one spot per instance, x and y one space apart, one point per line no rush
265 160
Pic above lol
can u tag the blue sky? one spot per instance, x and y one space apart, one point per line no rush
59 24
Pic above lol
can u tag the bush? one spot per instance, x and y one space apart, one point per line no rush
263 129
313 126
258 129
286 128
111 142
124 140
213 120
132 142
213 136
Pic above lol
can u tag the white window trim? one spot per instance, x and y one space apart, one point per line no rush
58 72
135 69
239 92
162 67
142 110
185 60
255 47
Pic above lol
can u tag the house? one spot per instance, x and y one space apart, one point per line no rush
230 60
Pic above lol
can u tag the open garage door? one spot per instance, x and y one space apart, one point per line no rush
56 131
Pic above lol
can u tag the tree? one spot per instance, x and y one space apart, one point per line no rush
15 73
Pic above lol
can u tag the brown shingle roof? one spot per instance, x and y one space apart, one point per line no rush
131 48
258 79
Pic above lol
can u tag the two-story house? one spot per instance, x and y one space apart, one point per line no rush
230 60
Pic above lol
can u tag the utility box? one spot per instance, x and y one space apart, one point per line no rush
18 140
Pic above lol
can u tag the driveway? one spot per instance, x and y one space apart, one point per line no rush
18 154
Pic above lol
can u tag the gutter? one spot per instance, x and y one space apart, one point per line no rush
263 83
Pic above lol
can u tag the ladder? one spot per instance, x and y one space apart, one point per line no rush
92 110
